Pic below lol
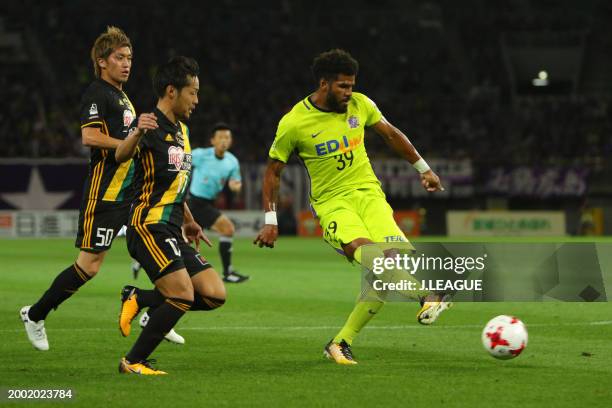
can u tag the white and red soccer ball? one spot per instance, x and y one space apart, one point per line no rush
504 337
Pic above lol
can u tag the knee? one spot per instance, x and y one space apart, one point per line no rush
182 290
214 290
351 247
224 226
227 229
90 265
211 302
220 293
91 272
186 293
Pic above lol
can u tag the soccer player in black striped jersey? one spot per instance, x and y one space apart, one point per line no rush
106 116
160 219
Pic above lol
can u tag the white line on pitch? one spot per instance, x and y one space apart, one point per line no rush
297 328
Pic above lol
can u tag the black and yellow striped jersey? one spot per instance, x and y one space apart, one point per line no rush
109 109
161 174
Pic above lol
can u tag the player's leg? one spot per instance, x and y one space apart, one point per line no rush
209 217
225 227
95 235
345 231
209 294
65 284
339 348
136 267
156 247
209 290
134 299
377 215
177 289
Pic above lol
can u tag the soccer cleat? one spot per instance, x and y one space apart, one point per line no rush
430 310
135 268
235 277
339 352
142 368
129 309
35 330
171 336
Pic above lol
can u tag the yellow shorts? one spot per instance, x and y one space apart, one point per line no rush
362 213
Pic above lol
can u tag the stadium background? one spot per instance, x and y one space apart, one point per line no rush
458 79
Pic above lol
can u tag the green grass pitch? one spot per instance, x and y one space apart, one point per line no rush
264 347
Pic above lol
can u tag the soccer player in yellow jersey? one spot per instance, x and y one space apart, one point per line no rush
326 131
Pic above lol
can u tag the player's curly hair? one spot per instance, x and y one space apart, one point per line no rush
106 43
328 65
175 72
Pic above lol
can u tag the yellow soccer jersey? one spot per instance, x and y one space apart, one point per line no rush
330 144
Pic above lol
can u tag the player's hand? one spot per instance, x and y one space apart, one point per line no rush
267 235
431 181
147 121
193 232
235 185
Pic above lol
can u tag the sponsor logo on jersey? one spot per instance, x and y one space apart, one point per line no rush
353 122
178 159
175 157
342 145
128 117
395 238
93 110
179 138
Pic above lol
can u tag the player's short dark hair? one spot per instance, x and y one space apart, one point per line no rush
175 72
219 126
328 65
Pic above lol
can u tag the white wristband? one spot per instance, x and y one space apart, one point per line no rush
270 218
421 166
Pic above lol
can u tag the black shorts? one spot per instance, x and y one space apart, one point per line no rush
204 211
161 249
99 223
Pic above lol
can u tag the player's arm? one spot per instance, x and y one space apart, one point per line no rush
271 186
192 230
401 145
235 185
93 137
94 107
235 180
126 148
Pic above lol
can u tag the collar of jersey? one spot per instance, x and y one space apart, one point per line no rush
308 103
109 85
165 123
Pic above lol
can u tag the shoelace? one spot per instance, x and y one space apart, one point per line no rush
147 363
346 351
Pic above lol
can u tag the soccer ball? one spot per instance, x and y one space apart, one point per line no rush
504 337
